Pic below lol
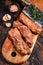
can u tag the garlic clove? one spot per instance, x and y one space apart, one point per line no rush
6 17
8 24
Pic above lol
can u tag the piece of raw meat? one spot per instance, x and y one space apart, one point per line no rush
25 32
19 43
31 25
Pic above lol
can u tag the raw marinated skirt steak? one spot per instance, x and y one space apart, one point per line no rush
18 42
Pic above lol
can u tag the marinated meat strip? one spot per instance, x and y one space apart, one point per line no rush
32 26
26 33
19 43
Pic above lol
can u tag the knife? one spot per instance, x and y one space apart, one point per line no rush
27 2
28 13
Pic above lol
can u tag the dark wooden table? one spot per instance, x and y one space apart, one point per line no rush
36 56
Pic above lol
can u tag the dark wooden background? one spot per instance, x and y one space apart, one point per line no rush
37 54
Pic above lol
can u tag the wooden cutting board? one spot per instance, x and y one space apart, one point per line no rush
38 3
37 54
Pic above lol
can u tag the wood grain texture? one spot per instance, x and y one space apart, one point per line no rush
38 3
36 56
